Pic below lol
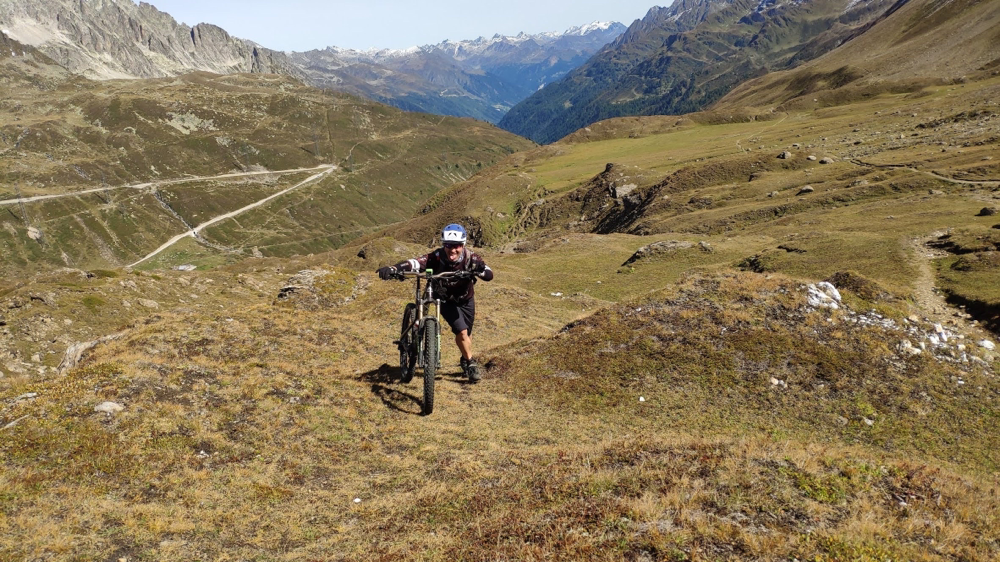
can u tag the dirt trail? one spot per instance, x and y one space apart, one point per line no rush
925 293
929 299
161 183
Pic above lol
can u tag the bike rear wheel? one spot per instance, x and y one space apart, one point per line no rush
408 344
431 352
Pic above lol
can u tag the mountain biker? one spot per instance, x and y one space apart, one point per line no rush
458 303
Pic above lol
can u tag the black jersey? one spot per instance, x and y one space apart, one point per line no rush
454 290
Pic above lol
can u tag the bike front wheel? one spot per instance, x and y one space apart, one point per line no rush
408 345
431 352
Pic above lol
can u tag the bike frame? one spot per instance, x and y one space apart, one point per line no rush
423 303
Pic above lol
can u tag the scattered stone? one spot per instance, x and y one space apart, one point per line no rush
109 407
785 155
868 422
987 345
36 358
805 189
936 192
321 288
773 194
149 303
34 233
987 212
811 157
827 160
26 396
841 420
705 247
906 346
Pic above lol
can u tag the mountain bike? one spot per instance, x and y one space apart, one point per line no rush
419 341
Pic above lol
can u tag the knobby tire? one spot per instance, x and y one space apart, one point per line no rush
430 362
408 345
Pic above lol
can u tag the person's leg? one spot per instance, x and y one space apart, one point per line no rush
461 317
464 343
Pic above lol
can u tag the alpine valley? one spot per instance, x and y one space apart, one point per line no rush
746 301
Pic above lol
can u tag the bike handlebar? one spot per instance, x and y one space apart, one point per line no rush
402 275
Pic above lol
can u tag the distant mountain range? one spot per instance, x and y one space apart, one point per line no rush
682 58
482 78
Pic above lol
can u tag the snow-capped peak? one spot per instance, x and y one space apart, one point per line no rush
590 27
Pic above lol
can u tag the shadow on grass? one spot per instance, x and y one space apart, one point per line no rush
392 397
395 396
987 313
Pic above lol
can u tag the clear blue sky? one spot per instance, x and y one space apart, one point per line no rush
301 25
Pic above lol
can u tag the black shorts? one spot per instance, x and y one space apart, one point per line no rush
460 315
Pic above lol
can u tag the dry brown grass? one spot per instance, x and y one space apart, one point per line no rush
248 434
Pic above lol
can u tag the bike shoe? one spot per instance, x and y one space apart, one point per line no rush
472 370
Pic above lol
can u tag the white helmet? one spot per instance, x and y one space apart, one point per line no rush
454 234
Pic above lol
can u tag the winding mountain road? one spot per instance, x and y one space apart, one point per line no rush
193 233
161 183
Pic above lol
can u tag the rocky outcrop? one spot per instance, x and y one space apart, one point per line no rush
105 39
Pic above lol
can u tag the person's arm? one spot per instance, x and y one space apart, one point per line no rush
387 272
481 270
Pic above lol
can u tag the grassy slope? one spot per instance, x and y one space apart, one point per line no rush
251 431
75 135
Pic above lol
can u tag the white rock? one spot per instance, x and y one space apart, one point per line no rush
556 294
988 345
642 399
357 500
26 396
109 407
149 303
823 295
869 422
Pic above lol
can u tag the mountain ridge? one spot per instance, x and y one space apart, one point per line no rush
682 58
106 39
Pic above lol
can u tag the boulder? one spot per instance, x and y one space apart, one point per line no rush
785 155
823 295
805 189
987 212
658 248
